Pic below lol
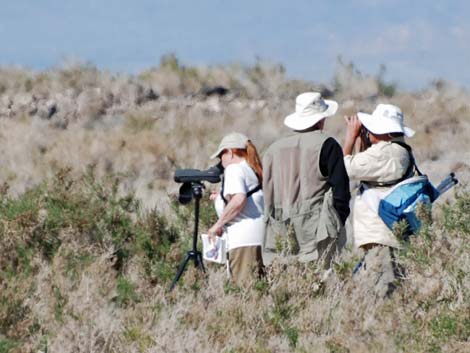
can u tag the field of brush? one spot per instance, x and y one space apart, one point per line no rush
91 233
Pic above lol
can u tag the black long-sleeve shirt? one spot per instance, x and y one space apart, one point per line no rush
332 166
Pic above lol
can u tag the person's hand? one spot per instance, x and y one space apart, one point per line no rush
353 130
213 232
213 195
353 127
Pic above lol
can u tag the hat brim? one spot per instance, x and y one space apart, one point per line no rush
216 154
296 122
380 126
239 142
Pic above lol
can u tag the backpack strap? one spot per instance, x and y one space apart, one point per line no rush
256 189
412 164
248 194
412 167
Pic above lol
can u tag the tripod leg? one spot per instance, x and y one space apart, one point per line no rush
180 270
200 263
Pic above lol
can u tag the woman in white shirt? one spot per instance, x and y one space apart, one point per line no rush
240 206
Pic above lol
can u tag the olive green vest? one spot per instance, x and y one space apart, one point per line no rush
299 210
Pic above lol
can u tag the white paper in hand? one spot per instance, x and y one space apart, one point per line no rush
214 252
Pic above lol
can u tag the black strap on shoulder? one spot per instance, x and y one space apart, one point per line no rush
408 173
248 194
412 164
256 189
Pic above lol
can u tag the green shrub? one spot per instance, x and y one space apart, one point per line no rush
457 214
126 293
7 345
292 334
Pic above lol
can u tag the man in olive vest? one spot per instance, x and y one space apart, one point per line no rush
306 186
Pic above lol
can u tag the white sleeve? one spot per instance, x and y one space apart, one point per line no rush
234 180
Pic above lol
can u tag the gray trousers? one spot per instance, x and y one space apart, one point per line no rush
380 272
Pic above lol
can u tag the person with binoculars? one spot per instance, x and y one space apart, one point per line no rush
240 205
383 161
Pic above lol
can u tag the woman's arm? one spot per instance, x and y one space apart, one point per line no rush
234 206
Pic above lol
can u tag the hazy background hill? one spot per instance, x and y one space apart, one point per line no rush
173 116
91 235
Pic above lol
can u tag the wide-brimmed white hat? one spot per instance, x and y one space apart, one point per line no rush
310 108
385 119
232 140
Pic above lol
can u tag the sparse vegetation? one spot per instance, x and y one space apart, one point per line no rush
91 234
86 285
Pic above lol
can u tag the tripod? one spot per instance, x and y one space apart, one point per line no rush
194 253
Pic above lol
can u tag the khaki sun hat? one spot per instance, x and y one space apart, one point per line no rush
310 108
232 140
385 119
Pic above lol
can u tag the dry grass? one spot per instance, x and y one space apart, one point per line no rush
85 267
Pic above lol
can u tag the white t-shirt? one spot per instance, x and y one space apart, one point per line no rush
247 228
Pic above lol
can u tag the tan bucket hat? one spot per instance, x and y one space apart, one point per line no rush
310 108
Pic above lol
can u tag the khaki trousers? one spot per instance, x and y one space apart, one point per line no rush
245 264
